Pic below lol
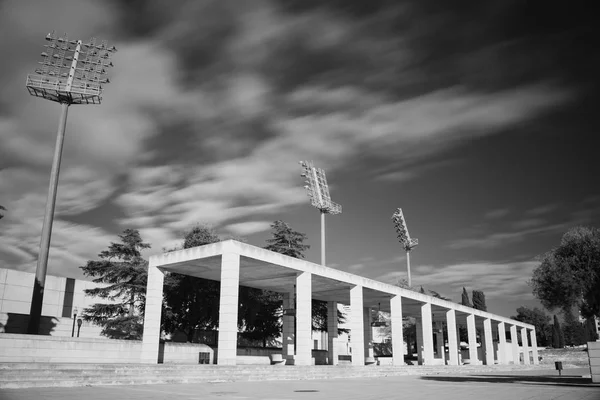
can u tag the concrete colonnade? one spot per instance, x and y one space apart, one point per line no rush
297 331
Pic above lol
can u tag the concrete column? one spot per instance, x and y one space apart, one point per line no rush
152 314
397 335
303 319
427 334
419 334
356 326
439 338
514 344
453 347
332 333
368 332
288 329
488 342
502 356
534 348
524 340
472 333
228 309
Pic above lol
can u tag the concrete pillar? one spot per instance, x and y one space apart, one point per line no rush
502 356
152 314
288 329
514 344
356 326
303 319
439 339
419 334
472 333
332 333
534 348
453 346
368 332
524 340
427 327
488 342
397 335
228 309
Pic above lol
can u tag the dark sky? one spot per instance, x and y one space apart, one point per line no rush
478 119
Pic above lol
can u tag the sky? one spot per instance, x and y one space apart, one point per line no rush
478 119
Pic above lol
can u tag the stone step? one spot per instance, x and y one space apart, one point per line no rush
23 375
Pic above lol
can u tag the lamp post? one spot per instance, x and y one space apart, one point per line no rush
74 319
79 322
71 72
318 192
404 237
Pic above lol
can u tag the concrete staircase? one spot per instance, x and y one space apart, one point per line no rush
27 375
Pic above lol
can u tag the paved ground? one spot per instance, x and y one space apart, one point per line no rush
537 384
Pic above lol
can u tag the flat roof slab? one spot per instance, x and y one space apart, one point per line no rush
263 269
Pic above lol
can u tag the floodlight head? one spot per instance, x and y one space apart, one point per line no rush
72 72
318 189
403 236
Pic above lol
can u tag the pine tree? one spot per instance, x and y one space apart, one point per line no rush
465 298
287 241
192 303
124 272
479 300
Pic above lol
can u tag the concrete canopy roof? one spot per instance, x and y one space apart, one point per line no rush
263 269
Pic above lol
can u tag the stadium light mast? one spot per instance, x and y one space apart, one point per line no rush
318 192
404 237
71 72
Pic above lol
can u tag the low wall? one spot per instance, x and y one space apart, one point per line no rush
53 349
594 355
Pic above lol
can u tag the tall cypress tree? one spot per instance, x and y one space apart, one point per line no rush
558 340
465 298
479 300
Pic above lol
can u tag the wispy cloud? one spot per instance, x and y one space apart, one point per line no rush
497 213
495 240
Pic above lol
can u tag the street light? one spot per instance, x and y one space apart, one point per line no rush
318 192
74 319
404 237
71 72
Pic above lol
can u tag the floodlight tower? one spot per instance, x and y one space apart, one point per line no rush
71 72
318 192
404 237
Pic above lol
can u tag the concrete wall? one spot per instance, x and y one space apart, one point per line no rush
594 354
33 348
61 297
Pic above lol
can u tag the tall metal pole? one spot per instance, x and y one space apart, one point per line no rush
35 312
408 267
83 85
322 238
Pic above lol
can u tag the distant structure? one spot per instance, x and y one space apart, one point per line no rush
404 237
318 192
71 72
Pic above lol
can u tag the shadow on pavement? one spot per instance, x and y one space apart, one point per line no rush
564 380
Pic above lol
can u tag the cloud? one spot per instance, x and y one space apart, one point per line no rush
542 210
247 228
498 213
500 239
497 280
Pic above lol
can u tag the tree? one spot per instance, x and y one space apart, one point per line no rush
573 330
569 275
558 340
124 272
479 300
537 318
191 303
286 241
465 298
